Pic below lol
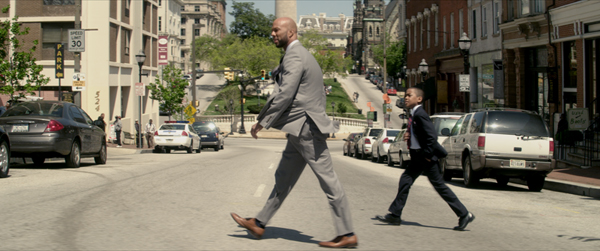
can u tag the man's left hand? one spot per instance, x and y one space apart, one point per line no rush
255 128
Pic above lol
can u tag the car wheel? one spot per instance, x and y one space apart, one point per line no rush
344 151
502 181
74 158
401 161
535 183
470 177
379 157
4 159
363 155
191 148
356 153
157 149
390 162
101 159
199 149
373 159
38 160
168 150
446 174
222 146
217 148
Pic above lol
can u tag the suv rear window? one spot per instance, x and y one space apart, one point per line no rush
516 123
204 129
374 132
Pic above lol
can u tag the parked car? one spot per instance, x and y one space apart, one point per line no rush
176 135
443 120
382 143
363 146
48 129
400 102
4 153
500 144
350 142
398 151
391 90
210 134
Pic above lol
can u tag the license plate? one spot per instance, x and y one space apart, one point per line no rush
20 128
169 139
204 136
517 163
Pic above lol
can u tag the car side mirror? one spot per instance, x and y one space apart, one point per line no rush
446 132
345 139
402 116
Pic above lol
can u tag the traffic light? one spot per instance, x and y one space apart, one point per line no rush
262 75
227 74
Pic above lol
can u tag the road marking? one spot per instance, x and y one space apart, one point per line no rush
567 210
271 166
259 190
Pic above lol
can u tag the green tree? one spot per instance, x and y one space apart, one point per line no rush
313 41
249 22
206 45
171 95
19 74
331 62
396 56
250 55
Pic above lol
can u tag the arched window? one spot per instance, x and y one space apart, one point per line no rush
377 31
370 31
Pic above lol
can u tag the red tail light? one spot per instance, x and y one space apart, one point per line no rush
386 140
216 135
367 141
184 133
481 142
156 133
53 126
552 148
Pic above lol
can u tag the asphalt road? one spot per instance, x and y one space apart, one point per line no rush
182 201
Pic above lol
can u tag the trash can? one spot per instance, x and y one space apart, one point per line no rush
359 111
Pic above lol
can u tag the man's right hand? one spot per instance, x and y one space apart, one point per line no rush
255 128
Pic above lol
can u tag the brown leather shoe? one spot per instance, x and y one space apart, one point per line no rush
250 225
341 242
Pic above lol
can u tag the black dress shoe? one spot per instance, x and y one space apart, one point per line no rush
464 221
390 219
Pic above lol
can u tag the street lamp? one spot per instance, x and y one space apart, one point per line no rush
140 58
241 87
231 112
333 117
464 43
424 69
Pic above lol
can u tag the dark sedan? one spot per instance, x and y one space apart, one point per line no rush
48 129
350 143
210 134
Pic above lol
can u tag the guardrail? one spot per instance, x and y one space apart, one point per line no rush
252 118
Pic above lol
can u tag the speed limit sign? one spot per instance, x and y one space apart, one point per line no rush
76 40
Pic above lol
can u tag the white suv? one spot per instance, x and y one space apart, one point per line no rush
502 144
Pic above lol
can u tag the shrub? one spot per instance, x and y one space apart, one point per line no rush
255 109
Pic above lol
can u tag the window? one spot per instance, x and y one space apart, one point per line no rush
196 20
474 24
510 10
476 124
445 32
421 34
461 26
54 33
196 32
570 64
197 8
370 31
127 34
183 20
127 7
529 7
183 32
159 2
159 23
183 41
437 28
465 125
451 30
378 31
457 126
59 2
484 22
525 7
182 8
76 114
429 31
496 18
182 54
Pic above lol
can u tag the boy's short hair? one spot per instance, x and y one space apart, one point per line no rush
418 91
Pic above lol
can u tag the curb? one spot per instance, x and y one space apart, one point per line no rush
567 187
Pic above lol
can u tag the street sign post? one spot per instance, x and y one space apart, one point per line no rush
464 85
78 82
76 40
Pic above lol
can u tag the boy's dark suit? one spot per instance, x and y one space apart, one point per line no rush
426 135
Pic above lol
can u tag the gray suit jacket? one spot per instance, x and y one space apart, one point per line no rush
299 93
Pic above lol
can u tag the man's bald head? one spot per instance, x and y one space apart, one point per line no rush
284 31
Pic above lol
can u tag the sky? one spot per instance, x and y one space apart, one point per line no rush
305 7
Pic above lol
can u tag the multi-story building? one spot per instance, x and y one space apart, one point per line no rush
169 24
334 29
394 20
198 18
115 32
367 31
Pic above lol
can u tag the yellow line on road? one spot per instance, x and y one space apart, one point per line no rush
567 210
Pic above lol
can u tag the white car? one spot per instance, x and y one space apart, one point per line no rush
398 151
176 135
382 143
442 120
364 147
499 143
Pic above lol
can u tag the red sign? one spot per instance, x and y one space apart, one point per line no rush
163 49
140 89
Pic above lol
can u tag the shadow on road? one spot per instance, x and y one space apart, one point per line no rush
283 233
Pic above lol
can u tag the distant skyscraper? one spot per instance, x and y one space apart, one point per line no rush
286 8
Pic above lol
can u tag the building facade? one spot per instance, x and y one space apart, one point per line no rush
169 24
334 29
199 18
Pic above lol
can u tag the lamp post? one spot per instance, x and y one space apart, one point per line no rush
241 87
464 43
140 58
333 117
231 112
403 76
424 69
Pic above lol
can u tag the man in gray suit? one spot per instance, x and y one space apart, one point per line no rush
297 107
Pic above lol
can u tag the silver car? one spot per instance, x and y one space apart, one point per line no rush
382 143
398 151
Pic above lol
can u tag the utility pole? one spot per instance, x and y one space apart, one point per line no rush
384 88
193 45
77 55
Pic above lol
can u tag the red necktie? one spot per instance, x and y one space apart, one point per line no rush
408 129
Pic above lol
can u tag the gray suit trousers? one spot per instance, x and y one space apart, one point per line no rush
309 148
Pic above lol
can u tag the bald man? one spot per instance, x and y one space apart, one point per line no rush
297 107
